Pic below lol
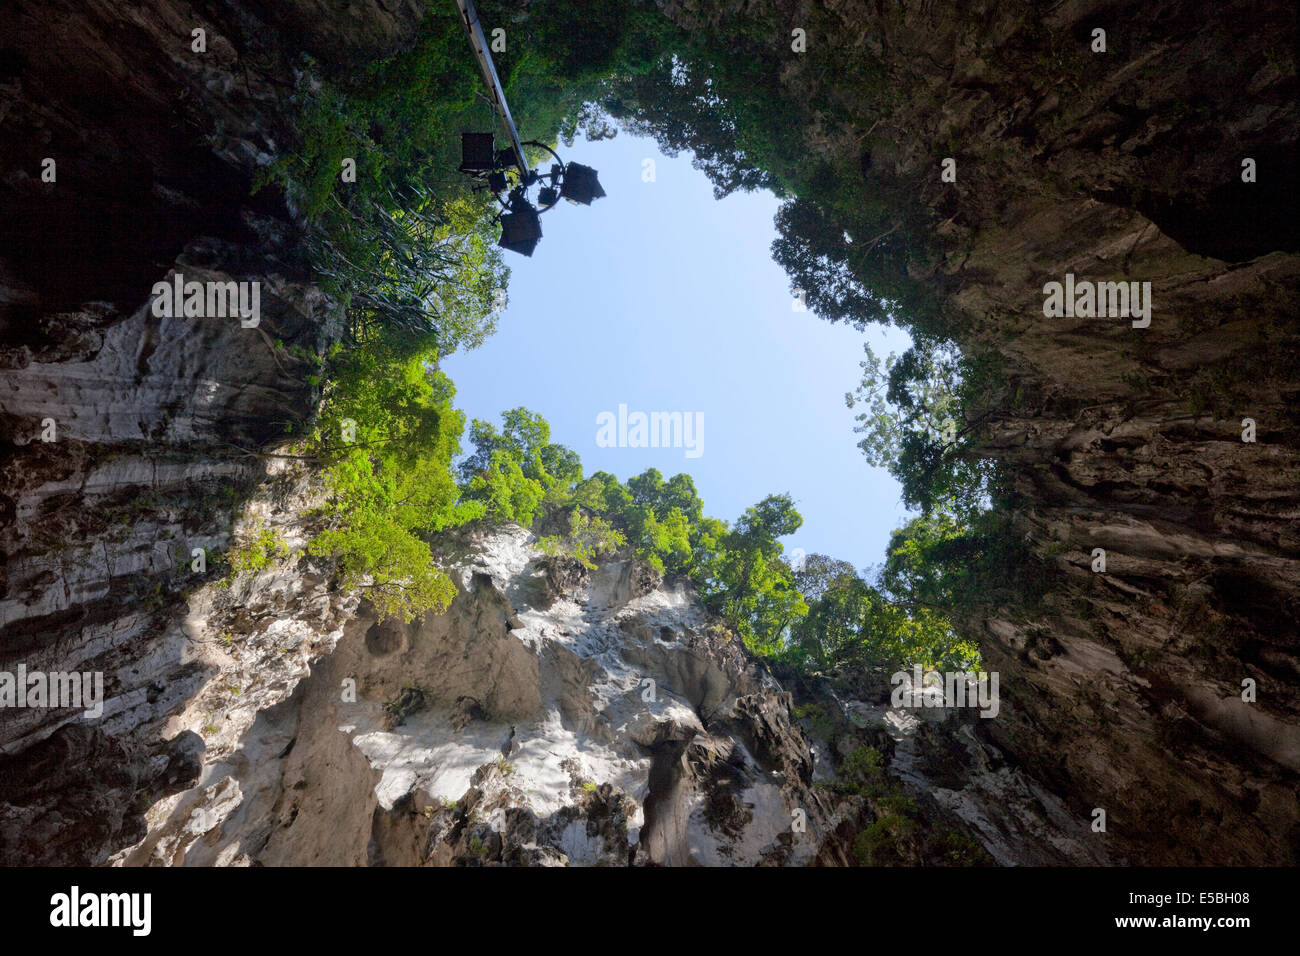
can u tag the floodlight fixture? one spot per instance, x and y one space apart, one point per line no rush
521 226
477 153
580 184
521 229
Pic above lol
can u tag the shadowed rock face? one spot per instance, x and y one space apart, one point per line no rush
155 149
1120 691
1123 689
104 783
613 724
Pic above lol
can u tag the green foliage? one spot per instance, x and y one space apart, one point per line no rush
257 549
817 618
392 566
915 423
587 537
731 95
954 566
662 519
406 248
920 415
518 474
961 849
811 246
391 486
525 440
888 841
677 103
863 773
514 470
815 714
892 838
417 263
560 57
754 589
852 623
415 268
406 245
505 491
819 575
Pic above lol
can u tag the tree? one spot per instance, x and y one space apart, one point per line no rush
602 492
820 574
915 423
852 623
954 564
772 518
741 575
677 102
525 437
504 490
585 538
811 247
389 433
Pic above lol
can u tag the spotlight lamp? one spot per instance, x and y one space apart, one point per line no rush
521 225
492 168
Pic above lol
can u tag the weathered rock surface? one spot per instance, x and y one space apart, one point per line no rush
1120 690
1123 690
155 149
611 725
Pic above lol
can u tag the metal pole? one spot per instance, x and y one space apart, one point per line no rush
469 16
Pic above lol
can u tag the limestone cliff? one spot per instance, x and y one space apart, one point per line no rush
513 729
154 152
1124 688
547 718
553 716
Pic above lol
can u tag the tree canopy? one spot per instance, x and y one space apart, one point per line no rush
411 253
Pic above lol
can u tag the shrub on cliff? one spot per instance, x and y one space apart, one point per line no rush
386 438
586 538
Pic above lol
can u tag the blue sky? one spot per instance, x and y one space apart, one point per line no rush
661 298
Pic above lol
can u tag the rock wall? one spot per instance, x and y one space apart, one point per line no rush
552 716
1124 688
127 440
219 744
606 725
